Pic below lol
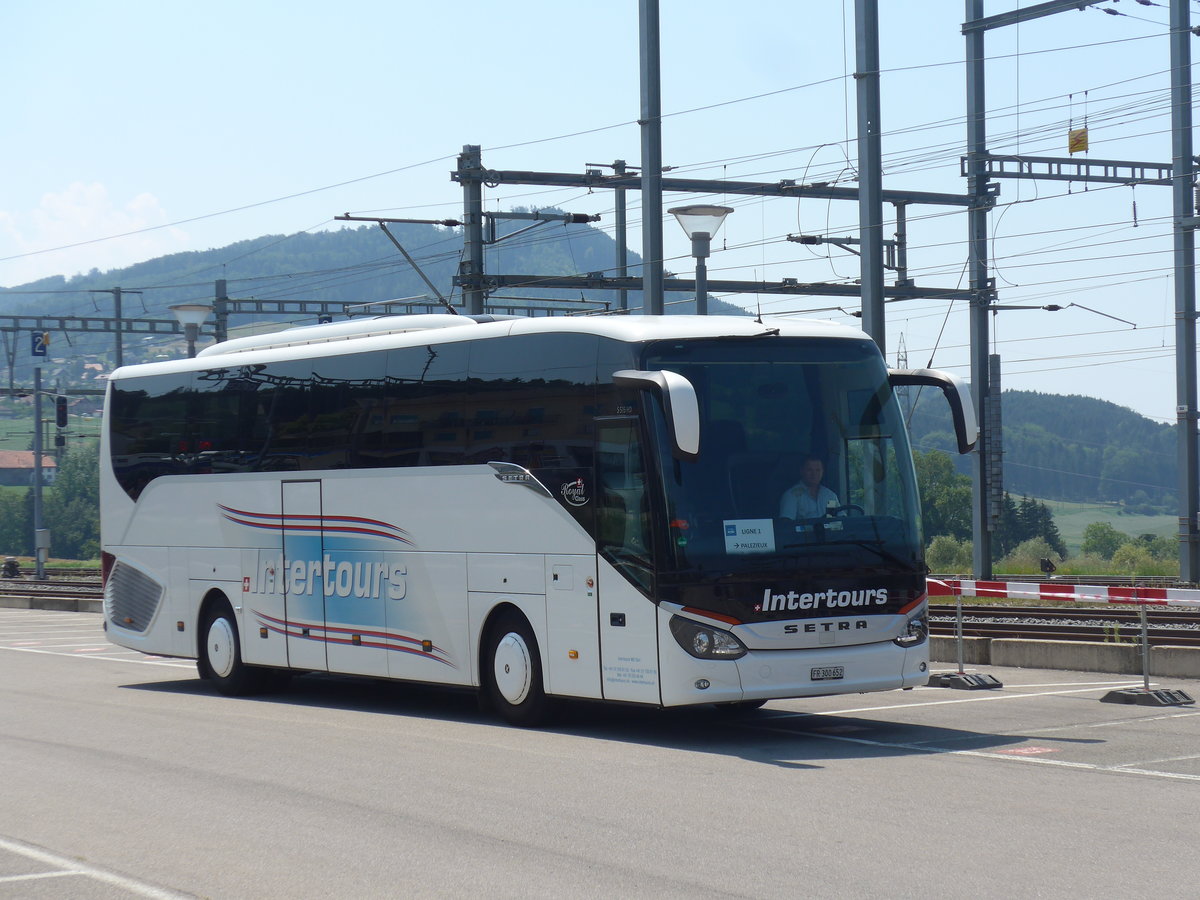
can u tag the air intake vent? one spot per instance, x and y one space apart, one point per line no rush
131 598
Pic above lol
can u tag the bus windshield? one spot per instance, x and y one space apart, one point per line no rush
804 465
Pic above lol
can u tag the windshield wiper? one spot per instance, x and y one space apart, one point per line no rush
766 332
877 546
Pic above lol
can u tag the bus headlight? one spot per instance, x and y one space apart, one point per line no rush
704 641
915 632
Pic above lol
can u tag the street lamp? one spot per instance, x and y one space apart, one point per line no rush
701 223
191 316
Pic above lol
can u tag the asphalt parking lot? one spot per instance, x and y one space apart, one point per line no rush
1034 789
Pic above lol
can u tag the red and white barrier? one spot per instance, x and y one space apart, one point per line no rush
1073 593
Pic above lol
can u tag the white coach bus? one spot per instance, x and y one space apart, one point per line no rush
534 507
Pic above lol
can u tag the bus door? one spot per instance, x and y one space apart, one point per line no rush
304 584
628 633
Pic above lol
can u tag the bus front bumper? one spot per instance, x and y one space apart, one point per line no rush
778 674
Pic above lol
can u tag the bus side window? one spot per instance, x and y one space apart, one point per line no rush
424 401
622 514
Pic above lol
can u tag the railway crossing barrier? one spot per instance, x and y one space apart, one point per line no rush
961 679
1142 597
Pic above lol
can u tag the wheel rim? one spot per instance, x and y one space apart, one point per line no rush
513 668
219 647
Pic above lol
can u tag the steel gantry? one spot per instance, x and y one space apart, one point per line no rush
979 167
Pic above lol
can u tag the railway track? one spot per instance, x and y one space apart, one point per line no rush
1179 628
59 594
80 587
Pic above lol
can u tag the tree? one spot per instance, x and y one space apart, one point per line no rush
1036 521
945 496
1025 521
72 506
1028 555
1101 539
1132 558
1123 472
1008 532
1160 547
16 529
949 556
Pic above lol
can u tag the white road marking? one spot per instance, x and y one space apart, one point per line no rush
74 867
981 754
145 661
974 698
37 876
1123 768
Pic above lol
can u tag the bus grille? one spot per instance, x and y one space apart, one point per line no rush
131 598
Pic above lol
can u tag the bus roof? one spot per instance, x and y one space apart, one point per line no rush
386 332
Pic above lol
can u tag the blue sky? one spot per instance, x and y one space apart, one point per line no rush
196 121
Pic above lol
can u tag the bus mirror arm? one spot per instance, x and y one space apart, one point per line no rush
966 429
679 403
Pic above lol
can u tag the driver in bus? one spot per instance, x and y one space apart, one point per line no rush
808 499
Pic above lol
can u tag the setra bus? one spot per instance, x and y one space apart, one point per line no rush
532 507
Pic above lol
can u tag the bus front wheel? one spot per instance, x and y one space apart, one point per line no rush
220 658
513 671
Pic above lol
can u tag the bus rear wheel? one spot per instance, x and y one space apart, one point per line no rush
512 671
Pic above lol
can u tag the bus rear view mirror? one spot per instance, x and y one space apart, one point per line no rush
966 429
679 403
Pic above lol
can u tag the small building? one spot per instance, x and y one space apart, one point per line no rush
16 468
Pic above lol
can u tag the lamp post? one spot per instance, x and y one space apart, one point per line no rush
191 316
701 223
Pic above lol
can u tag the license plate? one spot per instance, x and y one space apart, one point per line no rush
827 673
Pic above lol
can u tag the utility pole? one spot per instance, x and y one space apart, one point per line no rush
10 356
221 311
652 187
981 287
41 537
470 164
1183 179
870 169
118 320
621 237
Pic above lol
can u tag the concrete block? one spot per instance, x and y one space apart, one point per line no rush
976 650
1079 656
1175 662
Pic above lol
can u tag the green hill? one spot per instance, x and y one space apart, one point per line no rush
1071 448
351 265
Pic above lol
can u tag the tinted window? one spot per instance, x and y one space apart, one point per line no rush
144 419
422 411
345 407
227 422
530 400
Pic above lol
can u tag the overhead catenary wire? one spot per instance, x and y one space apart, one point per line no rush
332 277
